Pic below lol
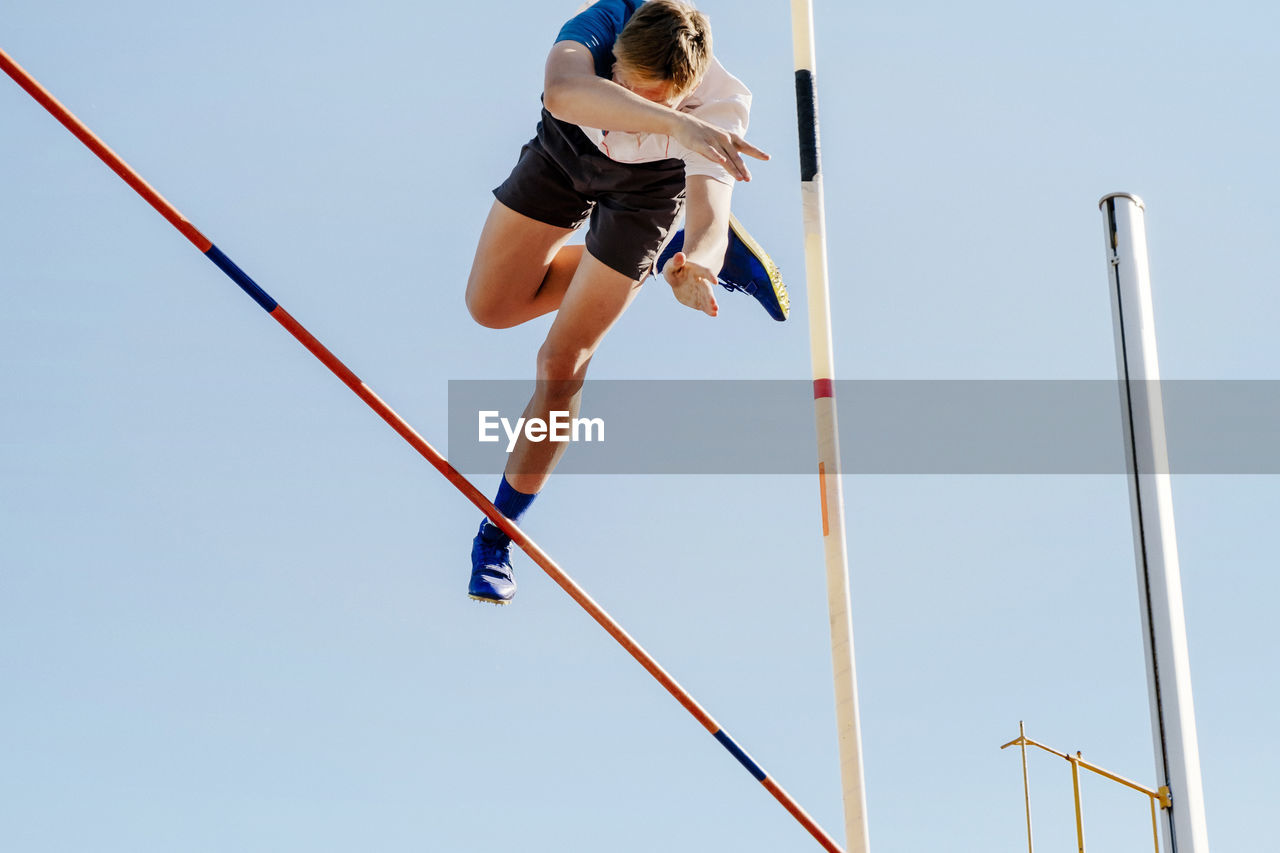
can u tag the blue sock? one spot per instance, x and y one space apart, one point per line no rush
510 503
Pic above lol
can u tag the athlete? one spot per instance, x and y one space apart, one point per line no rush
639 124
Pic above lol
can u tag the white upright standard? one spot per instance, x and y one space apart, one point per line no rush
1173 723
824 401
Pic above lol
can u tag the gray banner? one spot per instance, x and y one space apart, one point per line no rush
886 426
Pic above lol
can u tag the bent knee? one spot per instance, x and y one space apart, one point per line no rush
490 313
564 368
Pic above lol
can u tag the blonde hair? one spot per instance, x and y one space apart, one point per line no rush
666 40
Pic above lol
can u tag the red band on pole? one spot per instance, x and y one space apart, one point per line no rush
823 388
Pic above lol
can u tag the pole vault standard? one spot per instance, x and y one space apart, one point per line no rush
1164 631
206 247
835 550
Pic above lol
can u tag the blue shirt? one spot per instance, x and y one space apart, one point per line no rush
597 27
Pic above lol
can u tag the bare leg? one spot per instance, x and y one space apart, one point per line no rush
521 270
593 301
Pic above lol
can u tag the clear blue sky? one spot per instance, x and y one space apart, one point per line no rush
232 609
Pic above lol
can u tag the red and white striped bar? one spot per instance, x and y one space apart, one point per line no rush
544 561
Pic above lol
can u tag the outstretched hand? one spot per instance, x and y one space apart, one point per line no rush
718 145
693 284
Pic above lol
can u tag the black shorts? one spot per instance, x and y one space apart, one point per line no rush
562 178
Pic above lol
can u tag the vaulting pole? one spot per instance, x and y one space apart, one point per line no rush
1164 632
206 247
849 730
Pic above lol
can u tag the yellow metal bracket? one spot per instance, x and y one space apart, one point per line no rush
1161 796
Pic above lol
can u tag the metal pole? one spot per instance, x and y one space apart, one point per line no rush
1075 786
169 212
848 727
1026 781
1155 542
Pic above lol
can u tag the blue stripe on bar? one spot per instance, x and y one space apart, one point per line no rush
807 120
736 751
237 275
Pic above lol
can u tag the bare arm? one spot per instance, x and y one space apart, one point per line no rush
692 272
572 92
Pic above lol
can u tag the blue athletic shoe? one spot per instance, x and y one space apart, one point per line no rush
491 577
747 267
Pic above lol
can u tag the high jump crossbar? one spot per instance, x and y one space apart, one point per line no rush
260 296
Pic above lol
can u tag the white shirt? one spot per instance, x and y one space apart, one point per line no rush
720 99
